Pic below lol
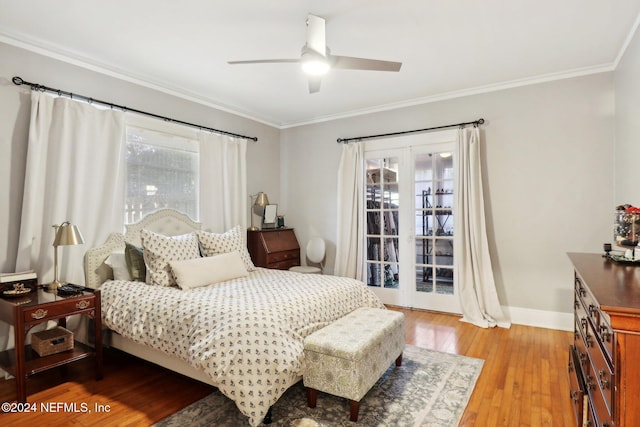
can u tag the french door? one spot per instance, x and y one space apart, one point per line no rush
410 221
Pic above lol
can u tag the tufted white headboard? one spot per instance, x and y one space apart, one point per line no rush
164 221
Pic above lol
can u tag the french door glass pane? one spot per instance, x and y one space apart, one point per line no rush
382 222
433 189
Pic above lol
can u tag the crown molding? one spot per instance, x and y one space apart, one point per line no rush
61 54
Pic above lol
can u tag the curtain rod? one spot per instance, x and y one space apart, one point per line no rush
474 123
19 81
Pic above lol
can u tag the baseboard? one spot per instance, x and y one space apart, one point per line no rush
540 318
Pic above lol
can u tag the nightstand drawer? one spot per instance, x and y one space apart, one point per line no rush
55 310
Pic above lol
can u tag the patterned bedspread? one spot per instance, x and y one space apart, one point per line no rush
246 334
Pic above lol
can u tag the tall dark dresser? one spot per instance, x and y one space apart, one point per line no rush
604 360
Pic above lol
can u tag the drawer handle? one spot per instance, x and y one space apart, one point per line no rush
583 358
583 323
604 331
590 383
589 340
39 313
604 382
82 304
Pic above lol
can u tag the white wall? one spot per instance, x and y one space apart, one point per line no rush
627 157
548 174
263 157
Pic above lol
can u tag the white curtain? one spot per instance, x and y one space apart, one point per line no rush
223 181
74 172
349 245
474 275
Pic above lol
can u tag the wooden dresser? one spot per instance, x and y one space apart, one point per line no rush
604 362
274 248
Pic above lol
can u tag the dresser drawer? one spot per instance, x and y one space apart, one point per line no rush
57 309
603 376
285 265
601 322
582 318
581 351
590 304
283 256
606 336
577 392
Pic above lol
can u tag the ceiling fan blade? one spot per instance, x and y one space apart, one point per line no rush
351 63
316 37
263 61
314 84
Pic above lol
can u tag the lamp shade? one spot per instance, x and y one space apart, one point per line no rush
68 234
261 200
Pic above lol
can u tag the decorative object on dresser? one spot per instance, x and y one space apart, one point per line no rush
261 200
66 234
315 252
48 351
604 371
274 248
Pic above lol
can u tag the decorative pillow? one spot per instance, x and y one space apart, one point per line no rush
160 250
193 273
222 243
119 266
134 258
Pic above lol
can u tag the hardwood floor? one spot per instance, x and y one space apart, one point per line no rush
523 382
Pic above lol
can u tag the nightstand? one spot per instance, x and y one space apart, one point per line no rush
274 248
40 306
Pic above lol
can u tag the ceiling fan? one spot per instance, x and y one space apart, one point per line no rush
316 59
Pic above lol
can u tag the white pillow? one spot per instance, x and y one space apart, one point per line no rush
118 264
159 251
229 241
198 272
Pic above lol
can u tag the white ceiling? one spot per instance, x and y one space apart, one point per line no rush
448 48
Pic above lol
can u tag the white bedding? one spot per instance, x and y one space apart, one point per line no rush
246 334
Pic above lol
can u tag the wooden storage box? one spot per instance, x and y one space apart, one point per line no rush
52 341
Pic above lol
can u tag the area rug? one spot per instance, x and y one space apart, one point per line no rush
430 389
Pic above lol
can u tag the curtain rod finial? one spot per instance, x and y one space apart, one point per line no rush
17 81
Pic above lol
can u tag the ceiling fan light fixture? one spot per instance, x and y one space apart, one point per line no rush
314 64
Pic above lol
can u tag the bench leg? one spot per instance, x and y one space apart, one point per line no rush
312 396
354 409
399 360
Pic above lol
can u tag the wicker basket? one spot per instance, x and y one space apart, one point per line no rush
52 341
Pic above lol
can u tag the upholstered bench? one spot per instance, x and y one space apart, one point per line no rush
347 357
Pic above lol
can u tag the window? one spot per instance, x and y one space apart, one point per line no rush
162 172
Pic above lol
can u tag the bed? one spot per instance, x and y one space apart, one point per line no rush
243 335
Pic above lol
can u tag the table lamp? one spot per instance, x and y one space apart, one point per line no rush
66 235
261 201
